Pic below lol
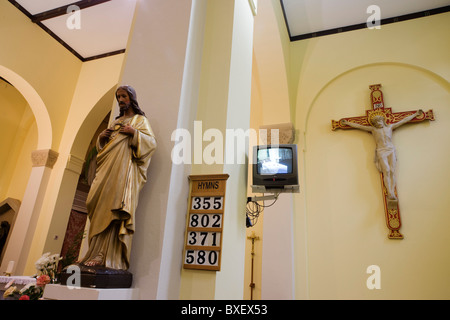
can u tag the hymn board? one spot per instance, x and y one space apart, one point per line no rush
204 223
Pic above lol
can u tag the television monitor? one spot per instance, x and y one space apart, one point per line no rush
275 168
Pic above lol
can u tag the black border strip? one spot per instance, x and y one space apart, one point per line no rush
86 4
104 55
359 26
286 20
83 4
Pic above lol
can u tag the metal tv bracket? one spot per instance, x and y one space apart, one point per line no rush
262 198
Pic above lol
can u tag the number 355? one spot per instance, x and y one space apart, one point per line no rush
207 203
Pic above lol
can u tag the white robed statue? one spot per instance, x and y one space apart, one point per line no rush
124 153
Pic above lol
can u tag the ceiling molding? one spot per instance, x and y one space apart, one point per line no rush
104 55
382 22
37 18
63 10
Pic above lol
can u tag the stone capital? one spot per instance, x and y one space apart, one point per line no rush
44 158
75 164
285 132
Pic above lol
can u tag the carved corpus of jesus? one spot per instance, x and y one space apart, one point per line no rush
385 156
381 122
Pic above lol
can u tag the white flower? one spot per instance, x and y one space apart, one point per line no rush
42 261
26 287
47 263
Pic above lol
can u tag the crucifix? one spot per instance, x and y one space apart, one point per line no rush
380 122
253 237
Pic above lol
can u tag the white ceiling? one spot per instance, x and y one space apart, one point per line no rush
105 26
305 17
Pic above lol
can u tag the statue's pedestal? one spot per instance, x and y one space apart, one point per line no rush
62 292
96 277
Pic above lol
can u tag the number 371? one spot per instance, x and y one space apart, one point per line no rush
207 203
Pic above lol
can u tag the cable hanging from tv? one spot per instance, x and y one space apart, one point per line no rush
254 209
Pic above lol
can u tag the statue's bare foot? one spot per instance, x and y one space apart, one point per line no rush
97 261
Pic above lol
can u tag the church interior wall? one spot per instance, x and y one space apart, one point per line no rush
56 101
16 131
30 55
238 118
223 103
42 62
257 229
340 215
273 275
154 67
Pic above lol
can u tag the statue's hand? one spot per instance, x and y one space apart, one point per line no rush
128 130
344 122
106 134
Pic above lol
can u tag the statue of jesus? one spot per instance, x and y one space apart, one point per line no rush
385 157
124 153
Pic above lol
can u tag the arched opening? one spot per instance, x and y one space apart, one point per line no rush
36 104
22 134
19 139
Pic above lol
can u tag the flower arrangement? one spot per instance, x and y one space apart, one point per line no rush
47 265
30 292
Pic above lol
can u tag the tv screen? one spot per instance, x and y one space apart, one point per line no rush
274 161
275 168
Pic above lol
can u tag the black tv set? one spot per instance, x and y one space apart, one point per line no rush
275 168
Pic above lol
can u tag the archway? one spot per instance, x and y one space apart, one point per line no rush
36 104
37 179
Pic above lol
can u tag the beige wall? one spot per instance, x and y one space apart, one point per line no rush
62 94
30 54
18 140
272 269
45 65
339 223
154 67
341 209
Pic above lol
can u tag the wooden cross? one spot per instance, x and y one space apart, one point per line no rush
366 123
